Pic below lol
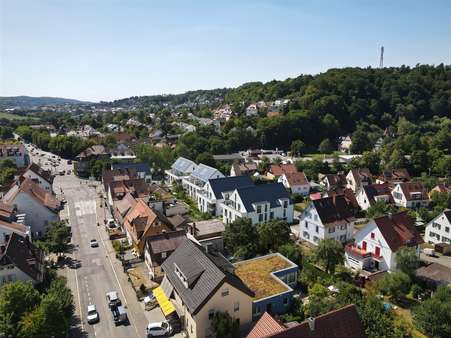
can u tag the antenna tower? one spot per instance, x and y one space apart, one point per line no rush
381 62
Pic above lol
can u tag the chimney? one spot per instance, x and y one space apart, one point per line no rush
311 323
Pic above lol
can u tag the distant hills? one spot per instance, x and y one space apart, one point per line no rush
31 101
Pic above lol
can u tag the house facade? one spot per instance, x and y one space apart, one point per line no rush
327 218
296 183
375 246
196 181
439 229
410 195
368 195
16 152
42 177
260 203
180 169
358 178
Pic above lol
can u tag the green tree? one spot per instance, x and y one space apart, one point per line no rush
433 316
329 254
16 299
360 142
297 148
377 322
407 260
56 237
224 326
326 146
291 251
380 208
24 132
396 284
273 234
7 170
240 238
206 158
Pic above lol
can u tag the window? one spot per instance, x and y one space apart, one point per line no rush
163 255
306 224
259 209
446 229
260 218
211 314
343 227
285 301
331 230
225 292
306 235
271 215
317 229
236 306
373 236
342 238
257 310
315 239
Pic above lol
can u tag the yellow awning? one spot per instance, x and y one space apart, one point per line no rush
165 304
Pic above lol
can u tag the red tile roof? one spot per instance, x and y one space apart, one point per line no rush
400 174
265 326
398 230
280 169
297 178
412 187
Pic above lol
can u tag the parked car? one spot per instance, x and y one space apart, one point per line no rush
93 243
113 299
93 315
429 252
119 315
75 264
158 329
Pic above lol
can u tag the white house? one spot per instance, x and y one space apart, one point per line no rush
357 178
40 206
42 177
370 194
219 189
439 229
10 223
260 203
296 182
180 169
16 152
344 144
410 195
251 110
195 182
327 218
376 244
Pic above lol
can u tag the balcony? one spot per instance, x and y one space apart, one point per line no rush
360 253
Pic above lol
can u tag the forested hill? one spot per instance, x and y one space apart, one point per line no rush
31 101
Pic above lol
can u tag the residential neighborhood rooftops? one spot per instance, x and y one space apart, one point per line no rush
167 241
436 273
398 230
373 190
95 150
230 183
45 174
204 173
270 192
394 175
265 326
333 210
257 274
280 169
183 165
207 227
409 188
297 178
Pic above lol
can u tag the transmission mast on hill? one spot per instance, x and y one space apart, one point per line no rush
381 62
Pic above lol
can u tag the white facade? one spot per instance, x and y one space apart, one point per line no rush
352 183
207 202
414 201
10 273
438 230
43 183
312 229
300 189
261 212
364 201
6 232
38 215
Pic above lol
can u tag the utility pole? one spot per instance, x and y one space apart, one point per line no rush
381 62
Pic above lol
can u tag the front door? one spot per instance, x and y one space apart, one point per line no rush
377 251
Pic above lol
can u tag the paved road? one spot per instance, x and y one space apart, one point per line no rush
96 275
44 159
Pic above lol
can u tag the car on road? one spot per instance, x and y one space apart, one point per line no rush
113 299
74 264
119 315
158 329
93 315
93 243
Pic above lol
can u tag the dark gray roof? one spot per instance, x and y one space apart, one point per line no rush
205 274
223 184
165 242
138 167
271 193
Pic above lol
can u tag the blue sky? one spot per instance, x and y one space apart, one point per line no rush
107 49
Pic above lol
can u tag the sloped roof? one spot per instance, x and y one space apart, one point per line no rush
297 178
45 174
206 272
137 167
6 210
223 184
136 187
270 192
400 174
333 209
183 164
265 326
121 207
412 187
373 190
244 168
95 150
280 169
207 227
361 174
436 272
336 179
204 173
167 241
398 230
341 323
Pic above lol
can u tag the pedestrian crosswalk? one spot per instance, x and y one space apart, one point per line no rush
83 208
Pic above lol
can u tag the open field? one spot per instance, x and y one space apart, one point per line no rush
9 116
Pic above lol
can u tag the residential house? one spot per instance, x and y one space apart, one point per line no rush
439 229
260 203
277 170
344 322
344 144
16 152
122 207
376 245
10 223
95 152
159 247
115 175
252 110
248 168
196 181
124 138
136 187
368 195
272 279
200 284
142 222
440 188
42 177
122 153
296 183
327 218
358 178
348 194
180 169
330 181
216 190
20 260
393 176
410 195
41 207
208 233
142 169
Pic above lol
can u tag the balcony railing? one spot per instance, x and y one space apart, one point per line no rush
355 251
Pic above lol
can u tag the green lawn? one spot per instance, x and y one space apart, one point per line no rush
9 116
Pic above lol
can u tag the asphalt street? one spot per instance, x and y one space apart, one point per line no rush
97 274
